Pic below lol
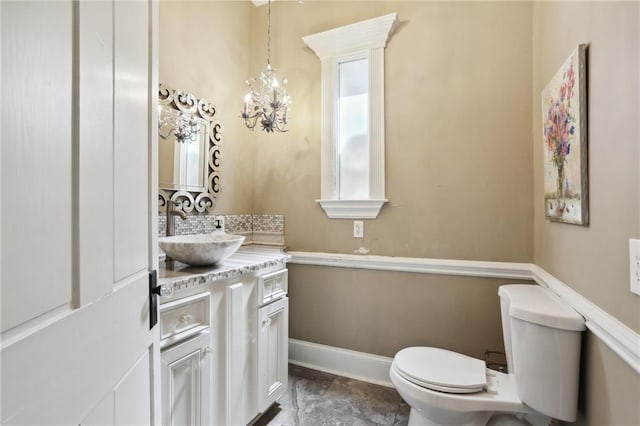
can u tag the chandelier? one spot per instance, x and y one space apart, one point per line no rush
184 127
267 101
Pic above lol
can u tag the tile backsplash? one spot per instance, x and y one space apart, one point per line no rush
235 223
268 223
193 224
258 228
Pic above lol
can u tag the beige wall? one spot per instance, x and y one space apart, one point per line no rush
205 49
458 131
458 173
610 388
381 312
594 259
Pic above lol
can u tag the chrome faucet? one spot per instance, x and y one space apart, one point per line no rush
172 212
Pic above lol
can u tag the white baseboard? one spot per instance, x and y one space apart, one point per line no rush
342 362
622 340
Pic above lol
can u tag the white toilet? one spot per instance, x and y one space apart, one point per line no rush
542 342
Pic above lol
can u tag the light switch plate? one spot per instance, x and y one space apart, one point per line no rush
358 229
634 265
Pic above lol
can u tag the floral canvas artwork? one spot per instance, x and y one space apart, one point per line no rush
564 132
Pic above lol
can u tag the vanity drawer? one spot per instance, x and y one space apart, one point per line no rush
272 286
183 318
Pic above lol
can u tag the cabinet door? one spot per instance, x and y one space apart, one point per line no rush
186 382
273 336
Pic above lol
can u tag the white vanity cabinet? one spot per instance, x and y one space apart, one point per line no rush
186 362
186 387
273 336
233 365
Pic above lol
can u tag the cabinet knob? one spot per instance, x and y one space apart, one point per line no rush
186 319
206 350
266 322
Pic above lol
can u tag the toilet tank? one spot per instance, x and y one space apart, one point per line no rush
542 338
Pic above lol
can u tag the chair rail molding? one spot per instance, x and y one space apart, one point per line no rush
620 338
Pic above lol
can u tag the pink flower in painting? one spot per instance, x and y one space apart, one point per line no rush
559 125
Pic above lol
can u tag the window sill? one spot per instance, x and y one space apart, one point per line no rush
352 209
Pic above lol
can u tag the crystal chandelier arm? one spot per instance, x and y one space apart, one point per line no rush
185 128
166 135
250 120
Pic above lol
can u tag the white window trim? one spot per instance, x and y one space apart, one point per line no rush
366 39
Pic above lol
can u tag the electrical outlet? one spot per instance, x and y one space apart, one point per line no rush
358 229
634 265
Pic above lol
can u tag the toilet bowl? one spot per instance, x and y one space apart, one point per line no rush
542 340
442 407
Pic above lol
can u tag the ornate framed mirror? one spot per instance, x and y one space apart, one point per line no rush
188 151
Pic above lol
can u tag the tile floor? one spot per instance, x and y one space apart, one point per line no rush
315 398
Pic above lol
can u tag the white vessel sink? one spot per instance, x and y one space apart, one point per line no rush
201 249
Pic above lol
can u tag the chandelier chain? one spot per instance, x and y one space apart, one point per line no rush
269 36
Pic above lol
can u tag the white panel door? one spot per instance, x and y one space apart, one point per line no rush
78 142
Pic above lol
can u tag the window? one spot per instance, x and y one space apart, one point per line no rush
352 59
353 130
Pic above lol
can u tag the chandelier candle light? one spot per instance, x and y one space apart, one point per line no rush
269 104
184 127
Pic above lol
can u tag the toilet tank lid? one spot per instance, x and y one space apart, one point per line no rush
538 305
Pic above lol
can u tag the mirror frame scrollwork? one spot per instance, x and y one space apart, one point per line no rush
187 103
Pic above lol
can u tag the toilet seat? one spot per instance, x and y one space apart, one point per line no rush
441 370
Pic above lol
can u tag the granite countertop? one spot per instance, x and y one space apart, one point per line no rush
247 259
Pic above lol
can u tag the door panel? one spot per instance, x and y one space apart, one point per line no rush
36 159
117 407
58 374
96 133
134 386
131 117
102 414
